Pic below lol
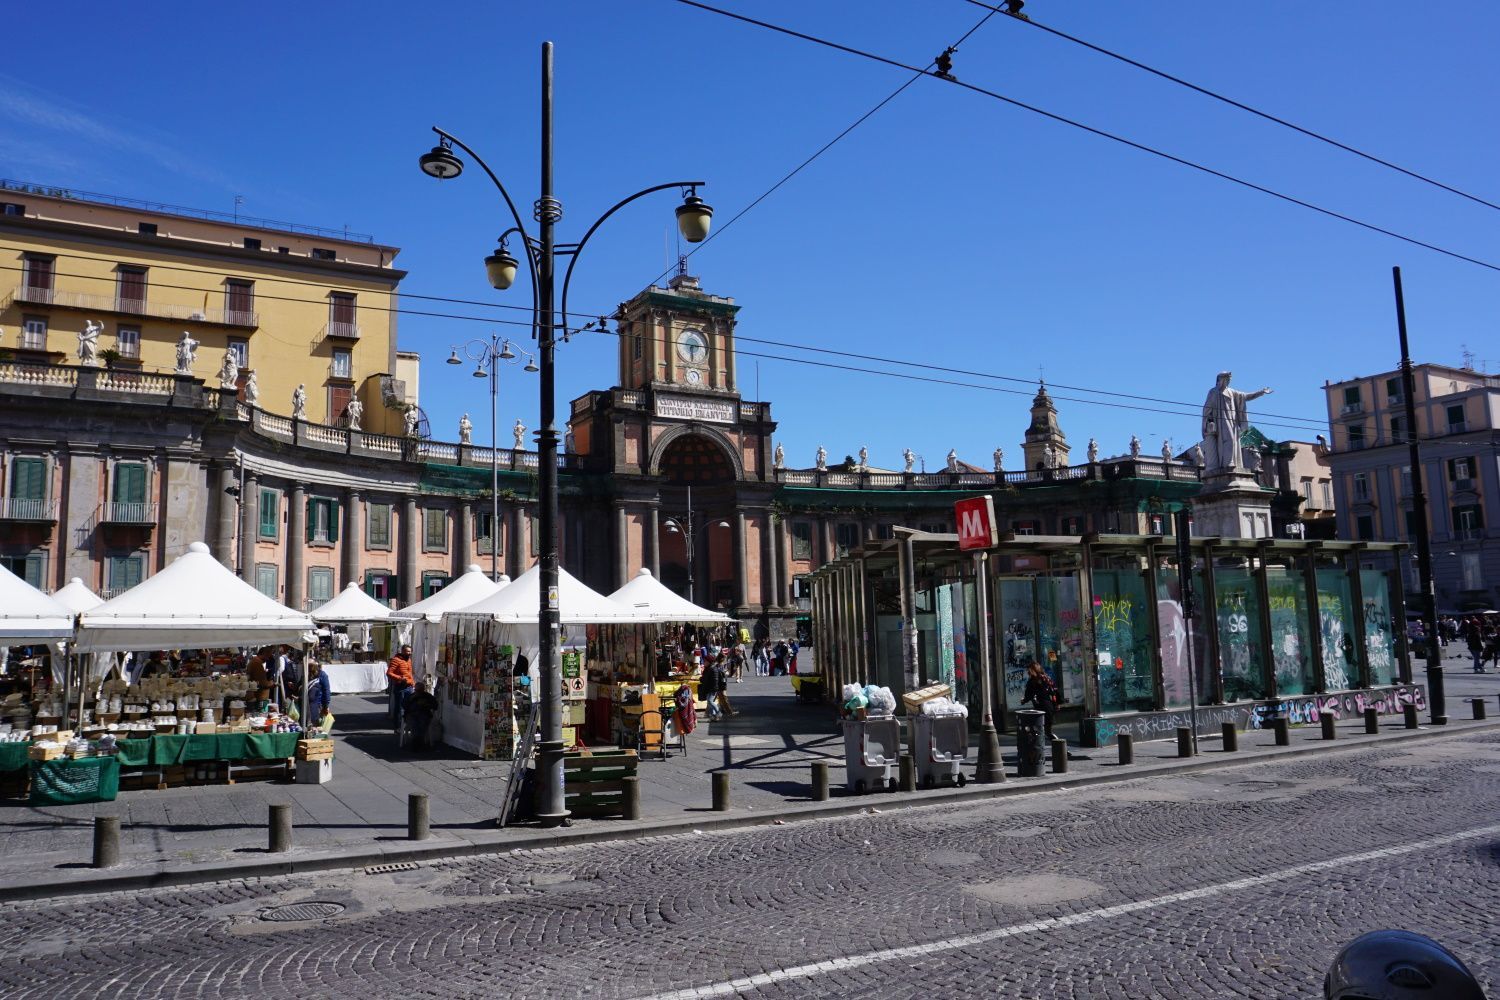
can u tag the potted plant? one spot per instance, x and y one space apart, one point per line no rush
109 356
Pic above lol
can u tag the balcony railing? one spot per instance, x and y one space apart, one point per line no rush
338 328
34 295
127 513
26 509
1458 427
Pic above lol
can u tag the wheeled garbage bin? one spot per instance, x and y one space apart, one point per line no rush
872 747
939 748
1031 745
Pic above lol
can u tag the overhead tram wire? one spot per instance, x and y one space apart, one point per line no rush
1101 133
1320 137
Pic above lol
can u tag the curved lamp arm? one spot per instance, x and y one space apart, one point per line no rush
578 247
519 227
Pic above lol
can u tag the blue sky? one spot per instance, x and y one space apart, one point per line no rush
949 229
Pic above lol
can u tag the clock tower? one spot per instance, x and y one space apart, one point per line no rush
678 337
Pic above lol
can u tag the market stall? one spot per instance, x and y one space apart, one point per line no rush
28 617
488 670
357 614
425 617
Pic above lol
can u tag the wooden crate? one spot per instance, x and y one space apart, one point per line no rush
593 782
913 699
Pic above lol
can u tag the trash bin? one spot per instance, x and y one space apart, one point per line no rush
939 747
871 748
1031 736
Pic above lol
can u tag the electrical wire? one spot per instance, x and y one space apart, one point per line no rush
1101 133
1027 19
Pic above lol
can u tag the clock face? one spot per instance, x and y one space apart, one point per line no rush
694 376
692 346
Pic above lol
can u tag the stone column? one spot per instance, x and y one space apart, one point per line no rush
653 544
463 548
296 545
411 545
227 479
622 545
783 567
353 538
249 527
741 561
515 550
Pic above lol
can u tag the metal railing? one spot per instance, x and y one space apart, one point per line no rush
338 328
114 512
27 509
32 295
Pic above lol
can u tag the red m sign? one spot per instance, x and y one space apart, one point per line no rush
975 518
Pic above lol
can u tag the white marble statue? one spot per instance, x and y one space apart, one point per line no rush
822 459
1252 461
1093 451
413 421
465 430
299 402
187 353
909 457
999 459
355 412
88 343
252 389
519 430
952 459
864 459
778 460
1135 446
1225 419
229 371
1049 456
1166 449
1198 455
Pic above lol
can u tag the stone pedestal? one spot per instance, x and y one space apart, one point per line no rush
1232 506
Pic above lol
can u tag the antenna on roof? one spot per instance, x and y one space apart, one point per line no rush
239 200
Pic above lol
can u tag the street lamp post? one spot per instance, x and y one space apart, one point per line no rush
685 528
487 356
542 251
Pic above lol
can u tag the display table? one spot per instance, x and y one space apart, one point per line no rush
14 756
65 782
169 750
356 678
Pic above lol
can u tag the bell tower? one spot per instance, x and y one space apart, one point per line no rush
678 337
1044 431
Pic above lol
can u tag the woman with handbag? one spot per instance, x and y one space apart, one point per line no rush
1041 693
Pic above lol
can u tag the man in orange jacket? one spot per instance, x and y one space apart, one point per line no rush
400 680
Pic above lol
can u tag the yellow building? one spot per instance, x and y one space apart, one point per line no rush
295 305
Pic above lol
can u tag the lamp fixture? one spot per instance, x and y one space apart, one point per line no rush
694 217
440 162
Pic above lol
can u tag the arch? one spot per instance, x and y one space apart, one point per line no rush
685 439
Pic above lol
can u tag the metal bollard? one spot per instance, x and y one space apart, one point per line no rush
1437 702
1372 721
280 828
820 781
1231 737
1184 741
632 796
106 841
418 825
1127 748
1059 756
1283 730
1477 704
908 773
721 791
1409 712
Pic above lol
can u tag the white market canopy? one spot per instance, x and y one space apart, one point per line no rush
458 594
576 603
77 598
27 615
645 593
351 605
195 602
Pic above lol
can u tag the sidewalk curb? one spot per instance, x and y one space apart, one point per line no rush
496 842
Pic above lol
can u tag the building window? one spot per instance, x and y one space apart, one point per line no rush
1456 422
1073 526
146 228
1361 486
885 532
1405 479
341 315
533 530
1364 528
1307 492
1393 390
239 301
130 289
1352 403
433 581
378 526
37 277
1356 437
270 514
128 341
1473 572
434 529
1022 527
265 580
485 535
846 538
1398 430
240 348
319 585
322 519
28 484
1461 473
380 585
34 333
801 540
1327 494
321 253
1468 522
342 365
251 243
125 571
130 492
30 566
12 208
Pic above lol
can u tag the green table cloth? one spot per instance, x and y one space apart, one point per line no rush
64 782
14 756
169 749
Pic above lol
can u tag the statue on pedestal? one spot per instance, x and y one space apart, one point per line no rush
864 459
465 430
909 457
229 371
778 460
999 459
952 459
88 343
355 412
1049 456
822 459
299 402
252 389
1166 449
1093 451
1225 420
1135 446
519 430
187 353
1198 455
413 421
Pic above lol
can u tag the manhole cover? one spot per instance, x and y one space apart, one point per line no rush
399 866
303 911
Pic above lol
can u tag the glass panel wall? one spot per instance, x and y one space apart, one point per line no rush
1122 640
1238 612
1291 646
1015 620
1380 641
1180 638
1336 621
1060 624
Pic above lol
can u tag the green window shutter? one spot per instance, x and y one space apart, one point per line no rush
310 517
333 519
270 513
28 479
130 483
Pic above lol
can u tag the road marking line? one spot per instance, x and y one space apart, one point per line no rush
809 971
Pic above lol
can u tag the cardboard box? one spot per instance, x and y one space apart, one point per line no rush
315 772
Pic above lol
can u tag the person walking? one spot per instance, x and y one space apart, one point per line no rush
779 654
795 646
1476 645
1040 693
319 696
398 673
709 687
758 655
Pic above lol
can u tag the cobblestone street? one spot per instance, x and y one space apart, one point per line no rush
1231 882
